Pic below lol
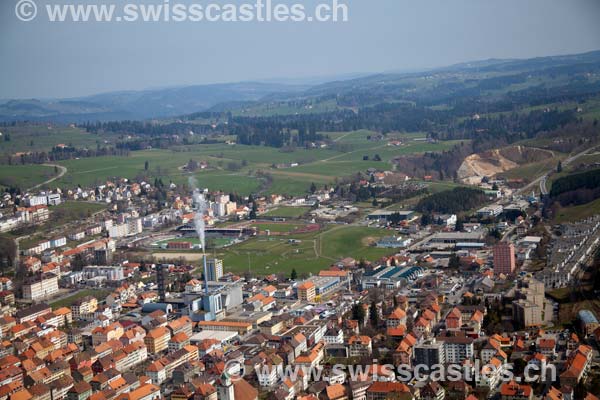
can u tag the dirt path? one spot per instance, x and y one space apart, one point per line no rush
319 239
62 172
349 152
337 139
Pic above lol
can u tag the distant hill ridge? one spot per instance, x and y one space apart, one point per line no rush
177 101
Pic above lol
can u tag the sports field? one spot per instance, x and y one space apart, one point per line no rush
307 253
211 242
277 227
287 212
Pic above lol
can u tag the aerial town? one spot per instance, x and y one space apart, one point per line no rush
300 200
83 320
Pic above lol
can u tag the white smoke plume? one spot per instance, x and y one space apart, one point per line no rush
200 204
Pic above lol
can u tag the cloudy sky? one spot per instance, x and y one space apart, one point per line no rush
44 59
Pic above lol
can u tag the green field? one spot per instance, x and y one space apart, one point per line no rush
285 108
576 213
211 242
316 251
531 171
100 294
165 164
73 211
232 168
277 227
45 137
287 212
591 158
25 176
241 168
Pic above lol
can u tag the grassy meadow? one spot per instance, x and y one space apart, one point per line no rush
241 169
287 212
25 176
44 137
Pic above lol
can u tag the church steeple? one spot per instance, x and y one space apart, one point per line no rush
226 389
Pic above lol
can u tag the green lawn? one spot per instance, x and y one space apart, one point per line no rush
560 295
295 184
440 186
277 227
352 241
24 176
70 211
334 168
576 213
591 158
287 212
211 242
388 153
531 171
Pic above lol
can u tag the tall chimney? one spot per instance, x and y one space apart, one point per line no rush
205 275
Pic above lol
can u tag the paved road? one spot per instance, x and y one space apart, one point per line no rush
62 172
543 189
541 181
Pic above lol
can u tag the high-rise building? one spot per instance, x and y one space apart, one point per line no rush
430 353
161 277
504 258
307 291
103 256
214 269
530 307
457 348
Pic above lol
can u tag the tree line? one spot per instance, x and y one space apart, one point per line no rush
452 201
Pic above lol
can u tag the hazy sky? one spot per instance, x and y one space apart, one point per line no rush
43 59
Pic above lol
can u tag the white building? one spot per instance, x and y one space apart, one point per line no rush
8 224
77 235
457 348
111 273
33 201
40 287
214 269
54 199
132 226
58 242
267 375
490 211
334 336
445 219
218 209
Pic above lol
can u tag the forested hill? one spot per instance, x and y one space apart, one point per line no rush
477 87
140 105
576 189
